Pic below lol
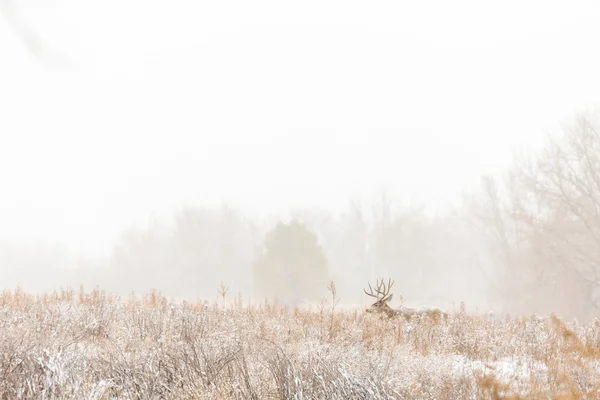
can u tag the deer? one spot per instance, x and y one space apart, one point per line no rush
383 296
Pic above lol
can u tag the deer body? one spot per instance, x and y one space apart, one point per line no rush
381 306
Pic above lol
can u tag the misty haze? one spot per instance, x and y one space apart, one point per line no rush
237 189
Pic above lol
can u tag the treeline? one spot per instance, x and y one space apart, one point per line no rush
528 241
291 259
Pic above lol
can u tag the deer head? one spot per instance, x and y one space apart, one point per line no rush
383 296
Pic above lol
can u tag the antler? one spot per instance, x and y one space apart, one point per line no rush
382 291
371 294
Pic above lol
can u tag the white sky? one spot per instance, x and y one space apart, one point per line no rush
147 105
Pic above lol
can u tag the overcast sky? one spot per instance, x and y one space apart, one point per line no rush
140 106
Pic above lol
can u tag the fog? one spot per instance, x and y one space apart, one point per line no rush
152 145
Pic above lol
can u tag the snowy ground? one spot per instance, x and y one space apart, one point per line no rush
91 346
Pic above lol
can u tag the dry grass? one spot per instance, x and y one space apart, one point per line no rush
76 345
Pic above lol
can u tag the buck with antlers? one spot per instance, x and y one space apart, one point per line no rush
383 296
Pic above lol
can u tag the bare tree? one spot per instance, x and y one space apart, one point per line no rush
544 223
491 212
558 197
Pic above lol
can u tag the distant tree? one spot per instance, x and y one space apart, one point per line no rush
192 255
349 252
214 245
292 265
142 257
507 263
403 247
545 223
557 196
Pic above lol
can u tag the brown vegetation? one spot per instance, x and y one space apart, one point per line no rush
94 346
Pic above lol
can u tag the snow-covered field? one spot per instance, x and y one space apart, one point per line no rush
72 345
